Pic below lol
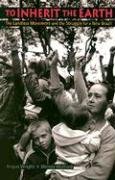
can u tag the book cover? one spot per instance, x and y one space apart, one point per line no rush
32 35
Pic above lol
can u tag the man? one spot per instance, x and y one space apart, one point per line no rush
38 86
99 97
11 114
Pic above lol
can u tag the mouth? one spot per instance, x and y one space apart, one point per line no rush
90 106
44 146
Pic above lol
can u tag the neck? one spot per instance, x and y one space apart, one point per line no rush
98 117
100 121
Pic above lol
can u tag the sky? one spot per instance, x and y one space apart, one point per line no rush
105 40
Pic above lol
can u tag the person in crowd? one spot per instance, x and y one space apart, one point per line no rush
76 142
24 144
42 153
38 86
11 113
96 100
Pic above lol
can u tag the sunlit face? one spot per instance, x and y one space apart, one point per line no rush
42 138
97 101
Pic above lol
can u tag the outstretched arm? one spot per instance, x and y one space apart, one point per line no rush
17 75
110 77
16 65
54 76
79 82
59 94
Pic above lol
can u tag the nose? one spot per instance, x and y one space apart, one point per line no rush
91 98
40 140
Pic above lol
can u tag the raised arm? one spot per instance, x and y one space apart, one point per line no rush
16 65
54 76
17 75
59 94
110 76
79 82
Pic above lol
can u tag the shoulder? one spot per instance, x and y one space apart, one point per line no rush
34 159
34 155
29 156
108 134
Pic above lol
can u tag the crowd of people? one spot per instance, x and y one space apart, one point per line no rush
65 136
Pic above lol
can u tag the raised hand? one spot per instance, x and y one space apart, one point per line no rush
55 58
112 50
79 62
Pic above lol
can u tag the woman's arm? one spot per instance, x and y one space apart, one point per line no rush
80 86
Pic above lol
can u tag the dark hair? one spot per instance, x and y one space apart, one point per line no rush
75 116
110 90
41 66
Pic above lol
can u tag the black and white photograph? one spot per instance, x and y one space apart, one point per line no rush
57 98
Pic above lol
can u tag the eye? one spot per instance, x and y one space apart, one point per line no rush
89 95
44 135
97 96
